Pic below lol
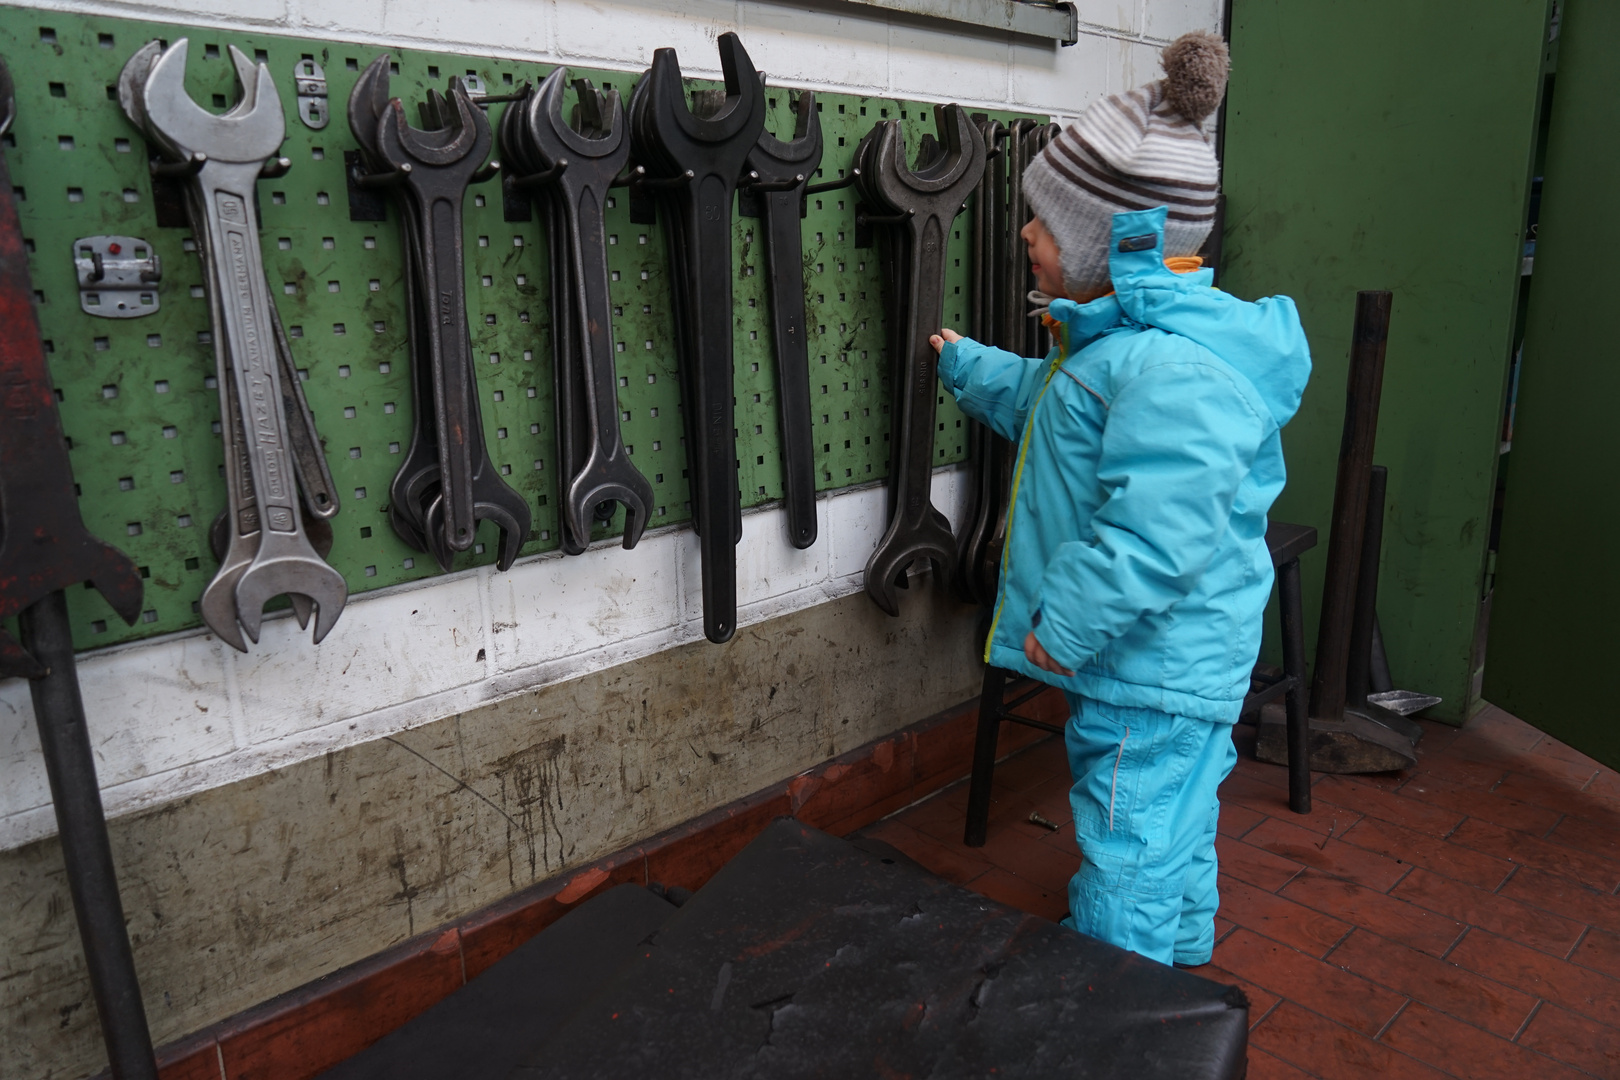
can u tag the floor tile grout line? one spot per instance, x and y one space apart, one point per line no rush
1399 1011
1548 834
1513 873
1534 1010
1428 1004
1468 928
1586 932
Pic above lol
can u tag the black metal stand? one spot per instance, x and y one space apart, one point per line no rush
71 767
992 712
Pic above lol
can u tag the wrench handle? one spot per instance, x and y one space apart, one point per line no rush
718 505
81 823
919 386
783 248
607 473
245 298
444 288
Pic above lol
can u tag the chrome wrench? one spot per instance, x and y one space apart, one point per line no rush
226 155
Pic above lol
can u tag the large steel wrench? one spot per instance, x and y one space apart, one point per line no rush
589 161
779 171
228 153
931 201
705 156
436 167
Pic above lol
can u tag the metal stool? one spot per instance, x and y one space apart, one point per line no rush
1267 683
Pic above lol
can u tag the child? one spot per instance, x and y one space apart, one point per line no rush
1135 571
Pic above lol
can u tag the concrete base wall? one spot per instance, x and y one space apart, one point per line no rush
242 892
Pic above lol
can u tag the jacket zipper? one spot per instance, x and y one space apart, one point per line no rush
1062 354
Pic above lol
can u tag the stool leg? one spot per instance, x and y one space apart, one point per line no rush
1290 601
984 757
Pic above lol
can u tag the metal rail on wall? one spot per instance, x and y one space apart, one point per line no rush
137 394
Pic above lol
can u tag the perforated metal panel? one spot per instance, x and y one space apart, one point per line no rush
137 395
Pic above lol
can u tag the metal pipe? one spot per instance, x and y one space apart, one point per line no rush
1365 386
1358 669
65 744
1293 649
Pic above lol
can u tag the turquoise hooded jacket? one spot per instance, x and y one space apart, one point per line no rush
1149 454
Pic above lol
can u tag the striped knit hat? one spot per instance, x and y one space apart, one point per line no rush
1134 151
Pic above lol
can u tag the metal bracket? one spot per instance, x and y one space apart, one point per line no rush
118 276
311 80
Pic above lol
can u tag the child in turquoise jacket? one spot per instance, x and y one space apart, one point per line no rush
1135 571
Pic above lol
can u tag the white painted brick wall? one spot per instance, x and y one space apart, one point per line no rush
183 713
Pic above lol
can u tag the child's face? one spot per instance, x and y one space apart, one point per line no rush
1044 258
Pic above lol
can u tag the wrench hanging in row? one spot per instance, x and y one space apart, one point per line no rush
774 189
692 164
447 483
575 164
271 448
913 209
1002 317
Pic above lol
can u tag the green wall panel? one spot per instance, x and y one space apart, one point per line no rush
137 398
1388 145
1552 635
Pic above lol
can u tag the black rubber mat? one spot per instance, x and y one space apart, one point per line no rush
485 1029
808 956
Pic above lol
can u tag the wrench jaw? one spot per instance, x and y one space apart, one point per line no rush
743 100
250 133
291 574
886 570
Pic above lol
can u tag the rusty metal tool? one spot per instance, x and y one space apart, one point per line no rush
447 482
692 163
774 189
920 205
576 164
44 548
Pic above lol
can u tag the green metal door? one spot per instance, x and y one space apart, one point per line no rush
1387 145
1553 637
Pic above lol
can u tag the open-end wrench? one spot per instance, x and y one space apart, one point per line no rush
701 158
443 488
930 202
419 468
44 545
437 167
233 535
226 155
778 173
586 162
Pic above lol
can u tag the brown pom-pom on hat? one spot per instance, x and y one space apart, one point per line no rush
1195 68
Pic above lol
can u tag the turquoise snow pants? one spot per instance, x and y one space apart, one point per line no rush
1145 810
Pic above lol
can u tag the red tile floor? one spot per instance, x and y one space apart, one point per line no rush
1460 919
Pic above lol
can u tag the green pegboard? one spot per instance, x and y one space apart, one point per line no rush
137 395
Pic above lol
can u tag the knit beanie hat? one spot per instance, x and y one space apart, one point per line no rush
1134 151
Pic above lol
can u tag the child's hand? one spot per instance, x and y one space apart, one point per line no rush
1042 659
938 340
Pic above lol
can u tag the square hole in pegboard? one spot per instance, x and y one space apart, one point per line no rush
150 380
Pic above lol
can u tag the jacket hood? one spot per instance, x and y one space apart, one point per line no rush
1262 340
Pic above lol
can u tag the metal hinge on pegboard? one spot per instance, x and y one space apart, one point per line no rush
311 86
118 276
